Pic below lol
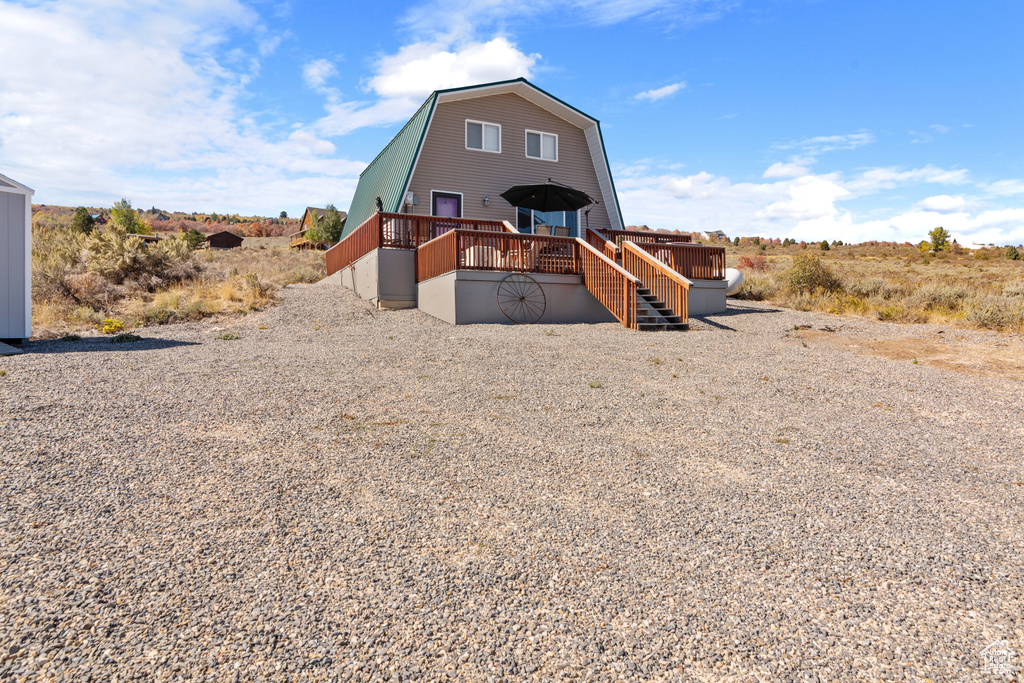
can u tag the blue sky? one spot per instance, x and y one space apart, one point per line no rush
811 119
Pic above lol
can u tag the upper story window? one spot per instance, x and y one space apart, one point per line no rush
483 136
541 145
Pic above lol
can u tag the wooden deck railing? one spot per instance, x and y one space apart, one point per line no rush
605 246
693 261
620 236
398 231
665 284
610 284
498 251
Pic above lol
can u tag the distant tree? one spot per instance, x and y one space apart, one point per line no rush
325 229
284 214
193 238
82 221
824 245
122 216
939 239
1012 253
736 241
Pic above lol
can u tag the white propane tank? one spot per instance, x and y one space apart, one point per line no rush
733 280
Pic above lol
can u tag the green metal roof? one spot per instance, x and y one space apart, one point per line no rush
387 175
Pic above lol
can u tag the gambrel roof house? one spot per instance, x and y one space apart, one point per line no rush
428 226
476 142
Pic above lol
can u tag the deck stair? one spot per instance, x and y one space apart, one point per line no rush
652 316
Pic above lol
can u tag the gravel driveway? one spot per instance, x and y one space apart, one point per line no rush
341 493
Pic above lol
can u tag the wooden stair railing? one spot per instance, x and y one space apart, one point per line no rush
665 284
361 242
609 283
693 261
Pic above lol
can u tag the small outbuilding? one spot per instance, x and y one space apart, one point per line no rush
223 240
15 261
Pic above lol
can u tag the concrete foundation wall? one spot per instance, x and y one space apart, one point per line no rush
466 297
707 297
384 277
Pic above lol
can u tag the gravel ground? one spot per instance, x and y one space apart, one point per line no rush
345 494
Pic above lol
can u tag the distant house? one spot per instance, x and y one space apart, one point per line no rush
714 236
223 240
298 239
161 217
149 239
99 219
15 261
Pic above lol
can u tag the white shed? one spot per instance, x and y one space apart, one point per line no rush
15 261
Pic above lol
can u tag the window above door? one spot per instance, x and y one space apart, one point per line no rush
485 137
541 145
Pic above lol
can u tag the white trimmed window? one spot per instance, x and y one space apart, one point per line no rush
541 145
483 136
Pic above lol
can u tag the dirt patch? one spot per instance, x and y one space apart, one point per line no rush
998 357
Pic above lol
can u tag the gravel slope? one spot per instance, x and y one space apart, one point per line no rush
347 494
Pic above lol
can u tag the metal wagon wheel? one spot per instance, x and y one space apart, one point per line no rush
521 299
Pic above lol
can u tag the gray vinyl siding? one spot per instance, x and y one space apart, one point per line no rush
14 308
445 165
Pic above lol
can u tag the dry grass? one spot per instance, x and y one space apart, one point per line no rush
230 282
897 282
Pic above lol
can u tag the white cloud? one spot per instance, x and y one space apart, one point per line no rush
316 73
659 93
311 142
829 143
460 19
145 101
807 199
1004 188
792 169
419 69
403 80
875 179
942 203
810 207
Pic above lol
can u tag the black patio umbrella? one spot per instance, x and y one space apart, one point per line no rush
549 196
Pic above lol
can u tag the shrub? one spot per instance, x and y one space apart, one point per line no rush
117 256
112 325
937 296
56 256
824 245
1012 253
757 289
757 263
996 313
809 274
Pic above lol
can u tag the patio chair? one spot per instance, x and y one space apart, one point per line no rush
542 229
